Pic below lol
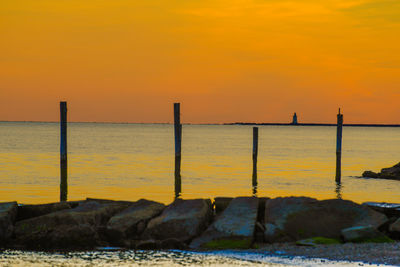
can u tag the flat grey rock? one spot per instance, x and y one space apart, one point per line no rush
132 221
182 220
236 224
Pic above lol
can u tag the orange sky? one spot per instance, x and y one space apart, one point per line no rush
224 60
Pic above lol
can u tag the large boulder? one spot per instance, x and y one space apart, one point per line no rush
131 222
66 228
295 218
30 211
234 228
8 213
183 220
386 173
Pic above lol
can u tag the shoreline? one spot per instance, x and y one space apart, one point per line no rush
314 124
349 254
222 123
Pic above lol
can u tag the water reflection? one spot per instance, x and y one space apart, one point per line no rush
64 180
254 180
178 180
338 190
338 167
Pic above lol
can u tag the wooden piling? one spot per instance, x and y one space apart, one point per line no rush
339 147
177 129
255 155
178 179
63 152
178 149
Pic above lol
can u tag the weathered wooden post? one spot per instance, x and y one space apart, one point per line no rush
255 155
178 146
178 179
339 147
63 152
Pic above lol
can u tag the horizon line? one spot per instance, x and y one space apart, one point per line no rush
226 123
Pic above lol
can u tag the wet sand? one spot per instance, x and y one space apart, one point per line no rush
373 253
267 255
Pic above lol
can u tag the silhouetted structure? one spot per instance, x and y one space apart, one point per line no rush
63 152
339 147
294 121
178 148
255 155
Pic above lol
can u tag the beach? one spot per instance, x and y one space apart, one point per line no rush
283 254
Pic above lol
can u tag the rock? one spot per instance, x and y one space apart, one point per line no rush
386 173
131 222
172 243
65 226
295 218
370 174
183 220
234 228
314 241
391 173
109 201
69 236
364 234
30 211
148 245
221 203
8 213
394 229
389 209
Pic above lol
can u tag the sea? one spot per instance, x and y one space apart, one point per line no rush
123 161
133 161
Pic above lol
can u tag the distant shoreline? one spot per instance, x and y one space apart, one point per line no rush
316 124
232 123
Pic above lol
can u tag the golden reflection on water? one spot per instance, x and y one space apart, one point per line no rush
133 161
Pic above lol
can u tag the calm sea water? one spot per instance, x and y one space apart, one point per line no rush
133 161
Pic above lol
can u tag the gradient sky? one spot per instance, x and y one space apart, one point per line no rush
224 60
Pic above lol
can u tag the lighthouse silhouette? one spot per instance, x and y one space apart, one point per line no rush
294 121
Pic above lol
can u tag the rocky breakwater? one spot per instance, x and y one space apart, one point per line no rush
392 173
196 223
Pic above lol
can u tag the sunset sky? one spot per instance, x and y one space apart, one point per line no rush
224 60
